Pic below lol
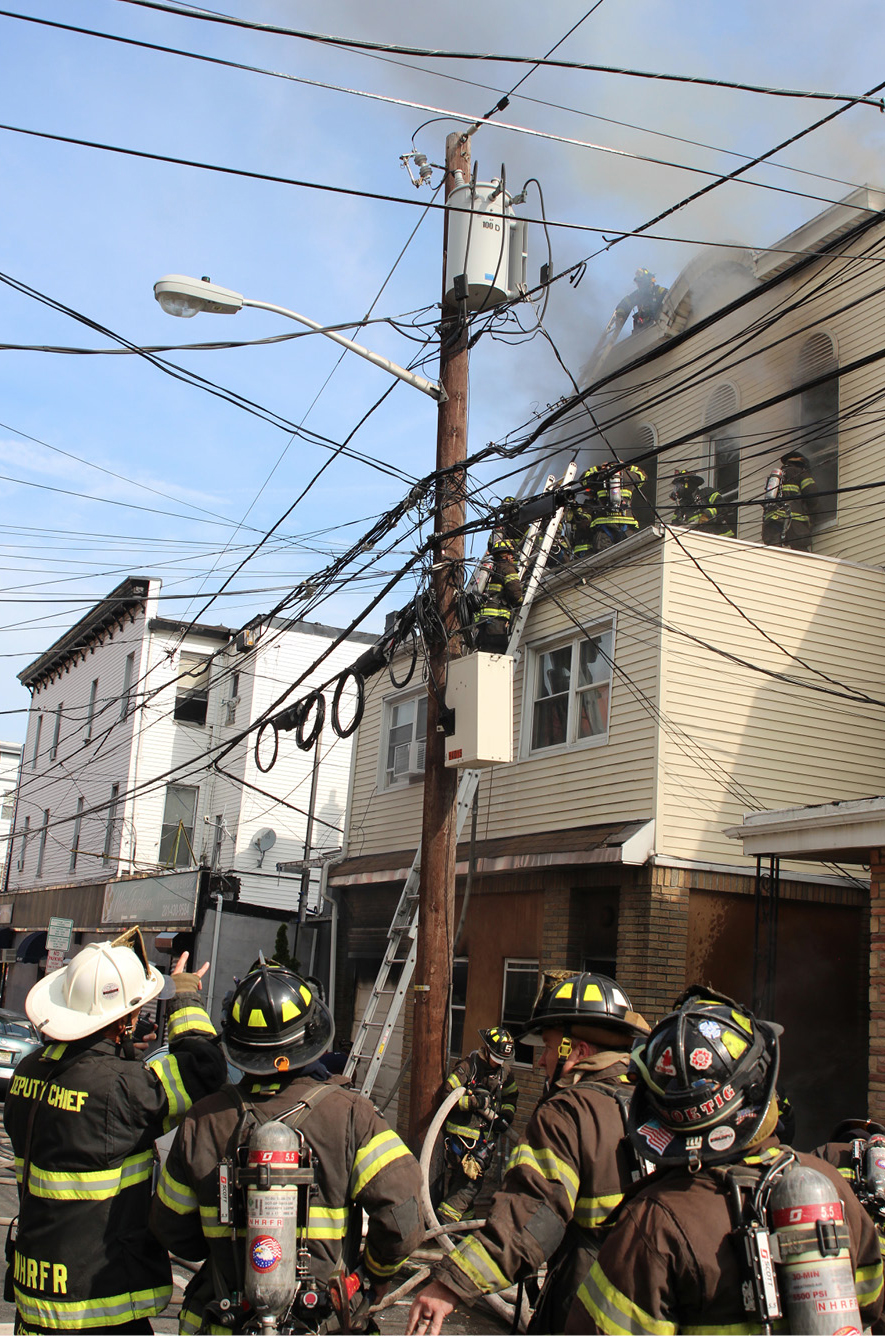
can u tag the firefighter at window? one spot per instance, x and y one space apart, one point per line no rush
701 507
787 511
499 600
570 1168
82 1114
483 1113
605 514
277 1028
691 1249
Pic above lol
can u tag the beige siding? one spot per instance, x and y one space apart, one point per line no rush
738 738
563 787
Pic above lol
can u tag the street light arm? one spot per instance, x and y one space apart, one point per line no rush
434 389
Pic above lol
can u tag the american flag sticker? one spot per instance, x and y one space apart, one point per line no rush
657 1136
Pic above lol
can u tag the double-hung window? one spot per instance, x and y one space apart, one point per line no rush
569 682
520 990
403 737
192 689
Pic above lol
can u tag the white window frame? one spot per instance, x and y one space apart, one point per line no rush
600 626
41 847
729 433
128 685
109 825
90 709
519 965
56 732
75 838
35 753
413 771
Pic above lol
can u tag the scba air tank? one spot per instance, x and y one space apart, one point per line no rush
486 243
810 1246
272 1218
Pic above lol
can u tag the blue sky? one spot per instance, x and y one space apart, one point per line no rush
93 230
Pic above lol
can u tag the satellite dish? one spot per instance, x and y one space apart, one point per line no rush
265 839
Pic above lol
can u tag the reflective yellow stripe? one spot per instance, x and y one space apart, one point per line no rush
549 1166
91 1314
328 1222
381 1151
868 1282
167 1071
378 1268
212 1227
92 1184
179 1197
614 1313
469 1133
52 1052
189 1020
591 1212
479 1267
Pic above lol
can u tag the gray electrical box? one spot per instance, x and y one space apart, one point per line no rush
479 688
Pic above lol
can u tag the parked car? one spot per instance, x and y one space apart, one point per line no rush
18 1038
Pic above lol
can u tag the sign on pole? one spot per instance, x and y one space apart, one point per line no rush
58 934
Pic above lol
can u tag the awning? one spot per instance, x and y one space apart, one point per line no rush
628 842
840 832
32 948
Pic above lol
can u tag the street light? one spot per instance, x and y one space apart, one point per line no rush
185 297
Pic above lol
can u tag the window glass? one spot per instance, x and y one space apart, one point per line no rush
192 689
572 690
550 718
458 1005
8 809
177 834
520 989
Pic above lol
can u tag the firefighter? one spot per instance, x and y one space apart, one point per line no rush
644 301
82 1114
483 1113
569 1170
679 1255
501 597
277 1028
788 508
605 515
701 507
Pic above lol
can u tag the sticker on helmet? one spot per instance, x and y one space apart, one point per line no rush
656 1135
710 1030
693 1143
266 1253
734 1044
664 1065
110 990
721 1138
700 1059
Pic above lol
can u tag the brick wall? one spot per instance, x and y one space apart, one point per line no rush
653 938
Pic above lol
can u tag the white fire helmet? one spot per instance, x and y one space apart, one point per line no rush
102 984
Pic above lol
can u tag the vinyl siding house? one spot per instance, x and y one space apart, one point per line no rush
669 685
138 801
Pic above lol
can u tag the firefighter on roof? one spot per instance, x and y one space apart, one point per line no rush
701 507
277 1028
569 1170
82 1120
692 1250
644 301
788 508
484 1112
605 514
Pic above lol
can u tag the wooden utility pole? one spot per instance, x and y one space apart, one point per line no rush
436 894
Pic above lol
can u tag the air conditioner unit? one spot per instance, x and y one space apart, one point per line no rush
7 955
408 759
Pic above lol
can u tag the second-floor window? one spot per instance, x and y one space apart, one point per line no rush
819 421
75 837
56 732
570 685
41 847
128 680
177 834
192 689
109 825
403 736
38 729
90 708
23 849
723 443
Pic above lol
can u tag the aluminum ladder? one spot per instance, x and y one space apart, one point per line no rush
386 1001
